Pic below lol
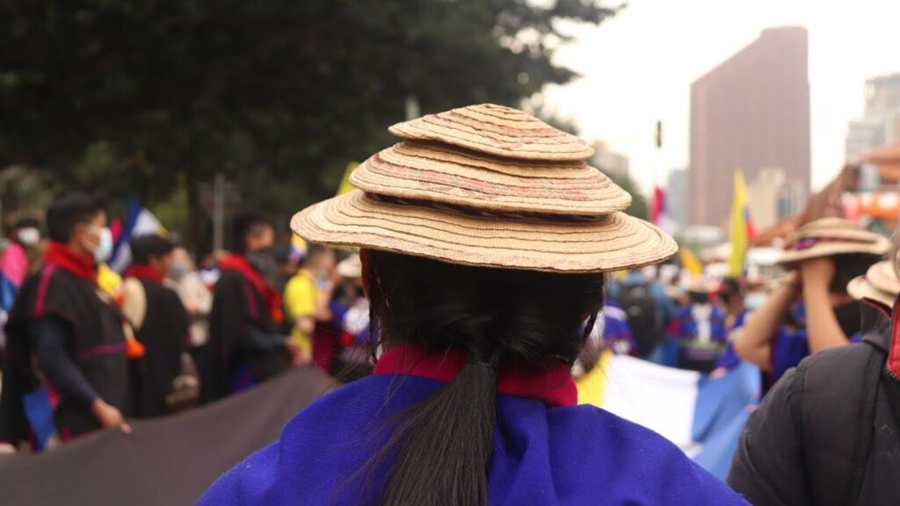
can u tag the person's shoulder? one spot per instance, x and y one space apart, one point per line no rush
645 464
326 441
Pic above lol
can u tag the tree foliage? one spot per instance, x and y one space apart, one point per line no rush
143 97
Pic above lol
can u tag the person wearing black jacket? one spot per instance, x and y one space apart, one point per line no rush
827 433
68 367
245 345
160 322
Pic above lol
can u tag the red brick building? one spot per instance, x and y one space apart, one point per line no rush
751 112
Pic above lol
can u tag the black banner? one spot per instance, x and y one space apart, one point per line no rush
166 461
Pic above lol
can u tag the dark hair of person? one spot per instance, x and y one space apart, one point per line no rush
731 287
27 222
442 446
246 225
144 247
847 267
67 211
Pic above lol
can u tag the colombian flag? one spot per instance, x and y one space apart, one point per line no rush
741 227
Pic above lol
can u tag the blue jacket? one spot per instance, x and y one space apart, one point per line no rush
542 455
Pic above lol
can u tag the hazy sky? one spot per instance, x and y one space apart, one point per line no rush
638 67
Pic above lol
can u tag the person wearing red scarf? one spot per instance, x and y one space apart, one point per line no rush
245 342
161 324
67 349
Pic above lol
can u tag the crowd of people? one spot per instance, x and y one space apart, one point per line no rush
82 353
489 323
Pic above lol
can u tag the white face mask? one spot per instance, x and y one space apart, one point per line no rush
104 245
29 237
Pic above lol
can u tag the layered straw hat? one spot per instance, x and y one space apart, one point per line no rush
488 186
829 237
880 283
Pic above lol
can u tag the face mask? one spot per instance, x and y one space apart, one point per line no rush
177 271
104 244
29 236
263 261
755 300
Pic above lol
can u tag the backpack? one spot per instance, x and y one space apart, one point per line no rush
639 305
834 415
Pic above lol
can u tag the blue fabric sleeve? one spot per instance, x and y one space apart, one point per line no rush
49 335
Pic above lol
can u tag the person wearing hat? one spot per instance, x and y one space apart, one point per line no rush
811 310
483 237
699 329
827 432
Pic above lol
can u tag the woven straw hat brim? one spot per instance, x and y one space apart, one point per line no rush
496 130
615 242
879 246
458 177
861 288
883 277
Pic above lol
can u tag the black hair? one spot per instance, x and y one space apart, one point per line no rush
147 246
246 225
26 222
847 267
500 317
731 287
68 210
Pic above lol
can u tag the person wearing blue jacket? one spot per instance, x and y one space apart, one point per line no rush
484 290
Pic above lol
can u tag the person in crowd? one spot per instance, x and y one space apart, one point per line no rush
811 310
194 293
648 306
827 432
483 305
161 324
306 300
65 336
731 299
15 265
698 332
612 331
350 309
245 345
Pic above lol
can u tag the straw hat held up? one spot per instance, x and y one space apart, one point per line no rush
830 237
488 186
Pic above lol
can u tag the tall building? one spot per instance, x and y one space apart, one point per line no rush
750 112
880 123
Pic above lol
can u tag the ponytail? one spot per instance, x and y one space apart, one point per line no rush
441 447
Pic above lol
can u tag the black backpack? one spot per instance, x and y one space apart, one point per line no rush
833 409
638 303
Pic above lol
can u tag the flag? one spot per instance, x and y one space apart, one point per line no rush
741 227
139 221
702 416
690 262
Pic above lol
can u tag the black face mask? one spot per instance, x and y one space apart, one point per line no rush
263 261
848 318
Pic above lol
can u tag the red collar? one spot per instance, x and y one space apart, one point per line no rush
145 272
61 256
555 385
240 264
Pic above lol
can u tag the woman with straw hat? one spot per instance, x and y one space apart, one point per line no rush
483 237
811 310
827 432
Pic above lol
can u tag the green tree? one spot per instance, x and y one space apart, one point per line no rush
639 206
148 97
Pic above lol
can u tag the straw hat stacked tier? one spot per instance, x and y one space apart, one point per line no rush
831 237
488 186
